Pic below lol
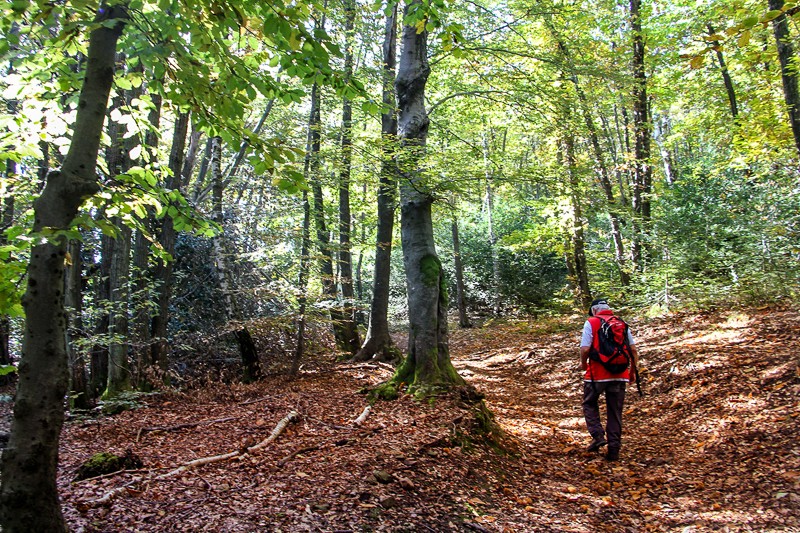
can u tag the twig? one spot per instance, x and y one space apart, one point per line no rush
183 426
295 453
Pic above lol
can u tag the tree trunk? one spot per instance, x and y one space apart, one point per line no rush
791 94
7 221
643 171
378 342
29 495
302 282
329 291
119 373
577 237
163 274
349 325
140 332
601 169
99 352
726 78
489 204
427 366
251 368
461 292
73 301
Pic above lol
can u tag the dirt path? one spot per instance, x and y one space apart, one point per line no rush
713 445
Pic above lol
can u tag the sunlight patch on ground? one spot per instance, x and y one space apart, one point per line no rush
526 429
693 367
746 404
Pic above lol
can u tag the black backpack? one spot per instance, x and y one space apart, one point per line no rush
614 351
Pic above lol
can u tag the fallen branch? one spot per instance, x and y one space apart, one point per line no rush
363 416
295 453
183 426
292 416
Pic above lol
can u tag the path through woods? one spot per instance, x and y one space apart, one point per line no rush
714 444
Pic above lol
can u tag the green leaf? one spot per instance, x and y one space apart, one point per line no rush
749 22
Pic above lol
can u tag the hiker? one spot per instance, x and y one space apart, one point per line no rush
599 378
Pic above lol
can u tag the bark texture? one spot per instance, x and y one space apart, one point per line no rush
349 325
29 495
378 342
166 237
791 93
643 171
427 366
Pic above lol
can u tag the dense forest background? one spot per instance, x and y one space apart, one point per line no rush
237 211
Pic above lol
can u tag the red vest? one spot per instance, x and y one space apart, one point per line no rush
596 371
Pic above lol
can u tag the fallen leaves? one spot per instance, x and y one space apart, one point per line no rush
713 444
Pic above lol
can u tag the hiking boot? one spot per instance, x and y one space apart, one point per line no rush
597 443
612 454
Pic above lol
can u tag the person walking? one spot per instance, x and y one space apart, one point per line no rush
599 379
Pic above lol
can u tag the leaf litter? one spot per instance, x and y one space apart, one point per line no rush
713 445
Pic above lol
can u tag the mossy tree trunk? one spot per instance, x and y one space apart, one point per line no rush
29 494
427 366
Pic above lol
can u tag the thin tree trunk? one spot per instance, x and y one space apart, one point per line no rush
577 237
329 290
726 78
643 171
73 302
497 303
119 374
349 325
378 341
461 291
163 274
99 352
140 334
251 369
791 94
427 366
7 221
601 169
29 494
302 283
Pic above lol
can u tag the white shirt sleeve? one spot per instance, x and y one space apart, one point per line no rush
586 335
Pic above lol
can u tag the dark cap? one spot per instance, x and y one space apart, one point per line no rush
597 303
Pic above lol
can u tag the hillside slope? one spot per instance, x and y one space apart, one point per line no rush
712 445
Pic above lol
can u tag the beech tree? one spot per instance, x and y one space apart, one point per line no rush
427 365
29 496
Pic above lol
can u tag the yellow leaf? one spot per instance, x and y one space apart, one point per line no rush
744 38
697 61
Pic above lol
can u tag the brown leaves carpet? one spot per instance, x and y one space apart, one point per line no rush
712 446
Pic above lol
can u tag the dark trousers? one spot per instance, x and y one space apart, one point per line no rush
615 397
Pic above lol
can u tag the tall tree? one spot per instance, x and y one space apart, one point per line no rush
29 495
427 365
378 342
786 56
251 368
163 275
643 171
349 325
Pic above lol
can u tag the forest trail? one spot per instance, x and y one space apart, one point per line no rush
713 445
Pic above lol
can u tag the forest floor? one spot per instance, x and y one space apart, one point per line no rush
713 445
